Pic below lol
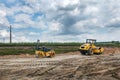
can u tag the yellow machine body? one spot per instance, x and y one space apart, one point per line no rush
43 51
40 53
90 48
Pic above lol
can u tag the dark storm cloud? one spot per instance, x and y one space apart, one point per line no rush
3 26
105 14
67 19
113 25
67 8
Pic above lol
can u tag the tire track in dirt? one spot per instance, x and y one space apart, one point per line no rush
25 63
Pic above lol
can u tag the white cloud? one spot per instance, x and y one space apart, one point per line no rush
3 19
76 11
91 10
27 9
21 39
4 33
117 19
34 33
2 13
60 20
18 26
67 2
55 26
22 18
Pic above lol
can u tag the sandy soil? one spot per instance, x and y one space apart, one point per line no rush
70 66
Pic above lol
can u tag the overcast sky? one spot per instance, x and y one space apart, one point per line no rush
60 20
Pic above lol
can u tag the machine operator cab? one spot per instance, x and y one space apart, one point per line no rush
91 41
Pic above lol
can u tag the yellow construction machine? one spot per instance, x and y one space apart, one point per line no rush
89 48
43 51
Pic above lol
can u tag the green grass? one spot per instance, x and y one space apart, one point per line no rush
29 48
42 44
114 44
17 51
8 51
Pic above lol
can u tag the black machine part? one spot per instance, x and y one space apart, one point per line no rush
43 48
37 46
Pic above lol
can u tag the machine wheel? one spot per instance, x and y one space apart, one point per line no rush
48 56
83 52
51 55
90 52
36 56
100 53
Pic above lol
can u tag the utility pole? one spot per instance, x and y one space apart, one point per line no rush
10 35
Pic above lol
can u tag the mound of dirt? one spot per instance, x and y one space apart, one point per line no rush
111 50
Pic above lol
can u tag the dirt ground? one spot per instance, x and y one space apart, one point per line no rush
69 66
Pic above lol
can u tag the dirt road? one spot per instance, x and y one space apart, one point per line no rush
26 63
62 67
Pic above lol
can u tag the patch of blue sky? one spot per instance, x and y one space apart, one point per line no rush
10 19
101 30
10 3
7 3
36 15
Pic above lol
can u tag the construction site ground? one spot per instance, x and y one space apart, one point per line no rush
65 66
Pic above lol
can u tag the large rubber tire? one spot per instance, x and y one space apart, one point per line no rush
51 55
83 53
100 53
90 52
36 56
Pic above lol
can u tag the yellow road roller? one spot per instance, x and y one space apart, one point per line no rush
43 51
89 48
